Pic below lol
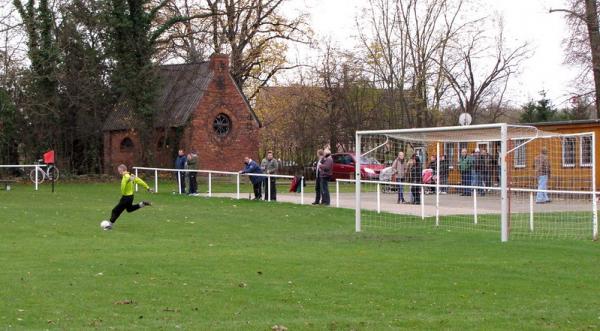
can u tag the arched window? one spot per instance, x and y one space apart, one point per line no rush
222 125
126 145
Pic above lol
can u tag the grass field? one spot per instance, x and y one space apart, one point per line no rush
215 264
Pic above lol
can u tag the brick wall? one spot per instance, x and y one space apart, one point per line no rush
216 153
115 154
222 97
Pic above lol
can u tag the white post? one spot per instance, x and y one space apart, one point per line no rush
268 188
357 186
179 181
302 190
155 181
237 182
36 177
210 184
337 194
378 199
594 197
503 183
475 206
422 202
136 175
437 186
531 211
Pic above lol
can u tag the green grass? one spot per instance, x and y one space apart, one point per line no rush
218 264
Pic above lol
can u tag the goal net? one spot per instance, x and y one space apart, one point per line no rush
512 180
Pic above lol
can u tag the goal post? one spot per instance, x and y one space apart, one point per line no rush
513 179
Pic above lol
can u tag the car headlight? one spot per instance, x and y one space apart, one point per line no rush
370 171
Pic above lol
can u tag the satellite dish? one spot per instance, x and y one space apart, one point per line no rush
465 119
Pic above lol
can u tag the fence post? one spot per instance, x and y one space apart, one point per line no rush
302 190
268 187
378 199
136 175
437 186
475 205
209 184
179 181
531 211
422 202
36 177
337 194
594 197
238 185
155 181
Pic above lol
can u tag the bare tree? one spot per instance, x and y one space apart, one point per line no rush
405 42
479 67
583 45
254 32
187 41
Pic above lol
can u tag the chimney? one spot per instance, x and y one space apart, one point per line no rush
219 62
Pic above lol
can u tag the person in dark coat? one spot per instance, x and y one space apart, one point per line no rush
325 173
415 172
320 155
180 164
444 172
251 167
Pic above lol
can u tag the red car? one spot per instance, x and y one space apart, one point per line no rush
344 165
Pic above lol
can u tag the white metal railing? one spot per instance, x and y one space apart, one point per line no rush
36 166
210 173
474 194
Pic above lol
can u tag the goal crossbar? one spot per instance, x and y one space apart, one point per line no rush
484 132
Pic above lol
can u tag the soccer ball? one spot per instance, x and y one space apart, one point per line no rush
105 225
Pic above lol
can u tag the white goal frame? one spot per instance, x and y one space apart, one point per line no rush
499 132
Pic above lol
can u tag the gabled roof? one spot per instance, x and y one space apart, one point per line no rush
182 88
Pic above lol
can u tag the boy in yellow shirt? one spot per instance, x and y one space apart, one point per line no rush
126 202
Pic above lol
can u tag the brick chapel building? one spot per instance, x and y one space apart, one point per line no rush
200 108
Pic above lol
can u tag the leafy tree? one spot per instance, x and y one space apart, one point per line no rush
133 33
41 102
8 129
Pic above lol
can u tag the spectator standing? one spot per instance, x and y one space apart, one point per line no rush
399 169
320 156
192 164
487 164
180 164
325 172
478 171
443 176
542 172
465 164
270 166
415 177
251 167
433 166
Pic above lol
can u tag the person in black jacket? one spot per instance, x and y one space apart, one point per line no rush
180 163
415 171
444 171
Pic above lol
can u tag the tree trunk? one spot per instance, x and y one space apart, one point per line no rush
591 13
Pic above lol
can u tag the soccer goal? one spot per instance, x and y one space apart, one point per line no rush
513 180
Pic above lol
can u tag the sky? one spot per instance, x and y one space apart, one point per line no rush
524 20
